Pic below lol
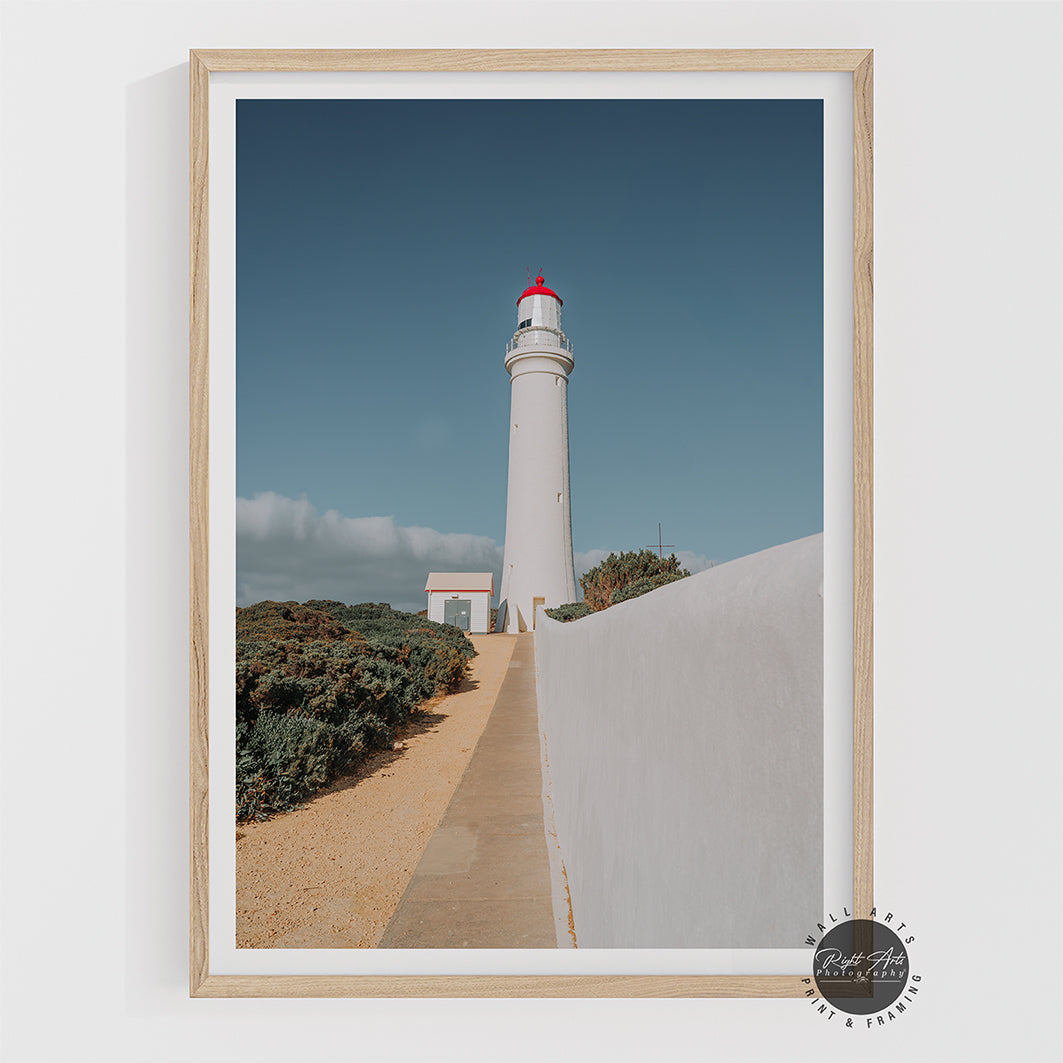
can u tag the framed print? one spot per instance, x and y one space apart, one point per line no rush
486 739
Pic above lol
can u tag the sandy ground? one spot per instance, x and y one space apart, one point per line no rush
331 875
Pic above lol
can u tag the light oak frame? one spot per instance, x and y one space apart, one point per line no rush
202 63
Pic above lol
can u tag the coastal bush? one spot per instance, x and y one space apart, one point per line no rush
287 622
438 653
617 572
643 586
571 611
321 684
281 761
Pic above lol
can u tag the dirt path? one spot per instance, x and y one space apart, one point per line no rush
331 875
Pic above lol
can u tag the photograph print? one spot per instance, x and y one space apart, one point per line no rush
529 526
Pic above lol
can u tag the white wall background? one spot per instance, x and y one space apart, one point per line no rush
968 526
684 737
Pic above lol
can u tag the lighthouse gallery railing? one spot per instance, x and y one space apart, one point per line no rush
532 338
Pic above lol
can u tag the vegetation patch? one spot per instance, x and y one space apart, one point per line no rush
618 578
572 611
320 685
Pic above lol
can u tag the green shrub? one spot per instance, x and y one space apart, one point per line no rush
288 621
618 571
320 685
283 760
437 652
643 586
572 611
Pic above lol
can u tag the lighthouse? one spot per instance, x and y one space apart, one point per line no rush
537 564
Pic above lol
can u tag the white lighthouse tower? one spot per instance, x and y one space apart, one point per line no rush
537 567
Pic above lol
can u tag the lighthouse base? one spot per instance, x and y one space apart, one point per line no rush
523 600
517 621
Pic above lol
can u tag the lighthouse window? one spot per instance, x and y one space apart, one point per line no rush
525 324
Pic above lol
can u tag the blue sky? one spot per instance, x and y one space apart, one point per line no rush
381 248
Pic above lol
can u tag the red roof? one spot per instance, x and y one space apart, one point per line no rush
538 289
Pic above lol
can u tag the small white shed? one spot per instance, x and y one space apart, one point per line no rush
462 599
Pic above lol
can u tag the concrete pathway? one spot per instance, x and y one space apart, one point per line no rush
484 880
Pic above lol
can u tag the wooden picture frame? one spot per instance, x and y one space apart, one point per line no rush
202 64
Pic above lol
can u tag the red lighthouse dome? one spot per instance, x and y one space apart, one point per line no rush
538 289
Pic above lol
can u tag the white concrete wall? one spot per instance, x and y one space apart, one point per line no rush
480 609
684 736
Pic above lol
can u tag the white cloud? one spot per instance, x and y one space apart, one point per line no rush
286 550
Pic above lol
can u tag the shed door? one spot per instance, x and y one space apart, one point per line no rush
457 611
